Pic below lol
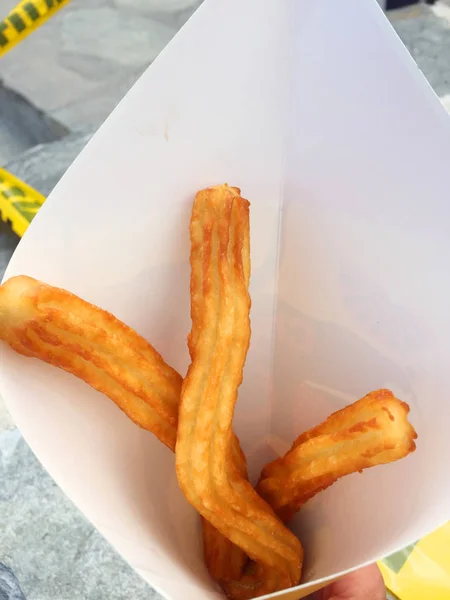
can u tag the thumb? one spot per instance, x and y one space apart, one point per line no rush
364 584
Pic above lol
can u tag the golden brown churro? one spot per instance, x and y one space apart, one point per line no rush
247 548
48 323
223 559
41 321
219 341
372 431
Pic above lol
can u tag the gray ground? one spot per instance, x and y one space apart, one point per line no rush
56 88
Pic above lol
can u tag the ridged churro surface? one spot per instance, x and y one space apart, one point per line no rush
247 547
219 340
57 327
372 431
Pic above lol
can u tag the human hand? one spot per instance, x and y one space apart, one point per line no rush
364 584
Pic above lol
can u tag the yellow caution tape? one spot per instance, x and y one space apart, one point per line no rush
19 202
421 571
27 16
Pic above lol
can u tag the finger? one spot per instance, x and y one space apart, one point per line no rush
364 584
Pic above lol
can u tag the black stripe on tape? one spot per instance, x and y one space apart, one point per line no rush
3 39
26 205
31 11
396 561
29 215
12 192
17 22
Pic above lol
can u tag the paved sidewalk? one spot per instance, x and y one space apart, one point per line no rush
80 63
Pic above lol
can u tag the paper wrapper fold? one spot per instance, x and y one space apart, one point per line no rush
317 112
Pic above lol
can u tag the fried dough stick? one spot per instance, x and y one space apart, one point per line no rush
40 321
372 431
224 560
206 468
55 326
48 323
27 306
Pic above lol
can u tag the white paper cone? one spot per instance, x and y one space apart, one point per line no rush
316 111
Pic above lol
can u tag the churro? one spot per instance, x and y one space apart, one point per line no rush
55 326
59 328
247 547
372 431
220 336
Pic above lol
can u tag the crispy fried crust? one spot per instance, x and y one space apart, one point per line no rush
57 327
48 323
372 431
225 561
53 325
219 340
